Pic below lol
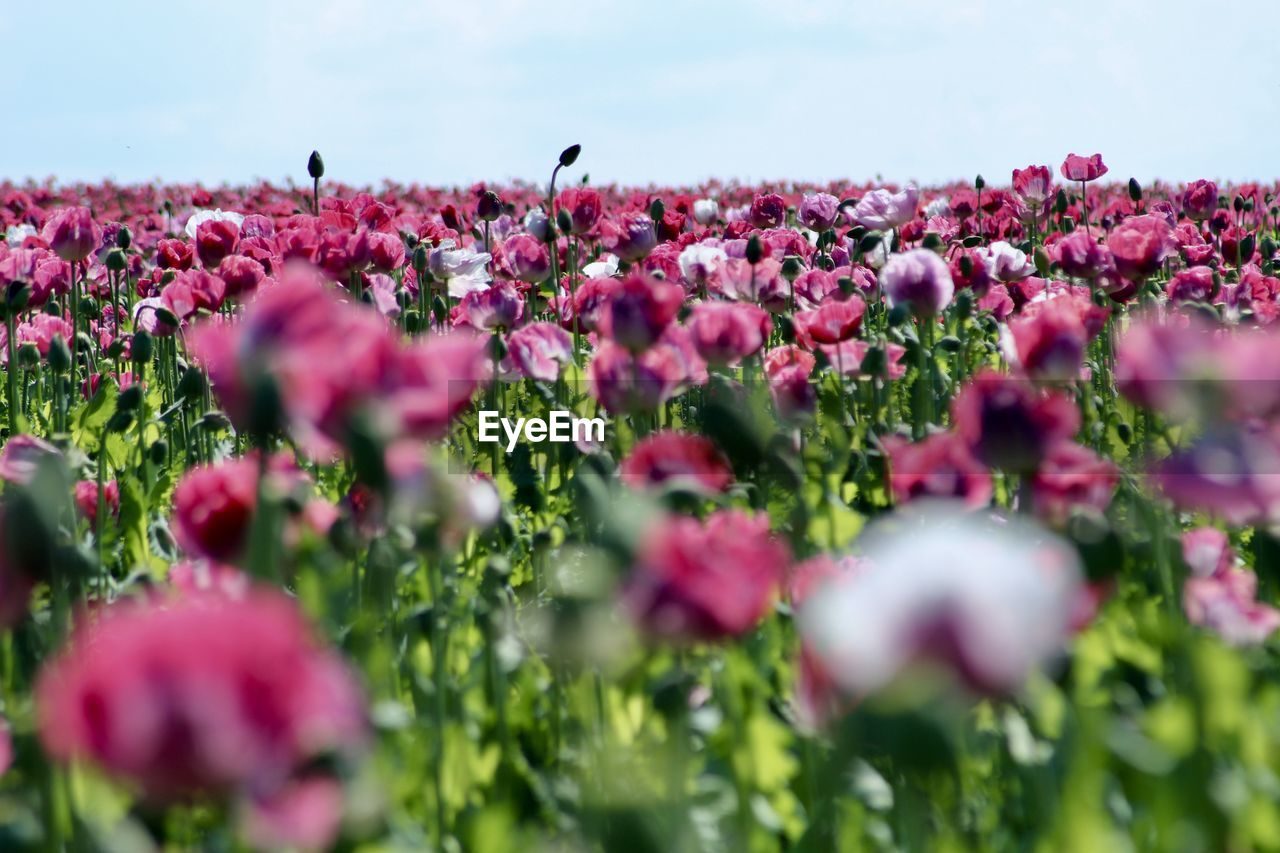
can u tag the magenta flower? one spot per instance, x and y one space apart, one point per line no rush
1084 169
727 332
1200 199
706 581
627 383
831 322
768 210
199 694
1072 477
939 466
526 258
584 207
1140 244
1011 424
540 349
495 308
72 233
1081 256
670 458
630 237
1034 184
639 309
215 239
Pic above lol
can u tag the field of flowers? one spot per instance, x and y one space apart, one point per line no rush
922 518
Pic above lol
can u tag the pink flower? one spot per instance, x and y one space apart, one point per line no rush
1082 256
675 459
584 206
526 258
1194 284
939 466
819 211
831 322
1070 477
1049 338
727 332
885 210
499 306
918 279
768 210
1034 184
707 580
1077 168
86 494
539 350
1200 199
847 357
1207 551
787 369
1009 423
72 233
240 275
386 251
639 309
625 383
213 506
630 237
22 457
215 239
1226 603
198 694
1140 244
174 254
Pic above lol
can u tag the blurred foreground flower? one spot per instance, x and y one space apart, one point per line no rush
989 599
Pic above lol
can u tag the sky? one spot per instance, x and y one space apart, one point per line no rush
661 92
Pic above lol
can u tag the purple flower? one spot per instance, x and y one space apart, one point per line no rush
883 210
919 279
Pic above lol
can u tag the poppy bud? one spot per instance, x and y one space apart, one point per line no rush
115 260
964 304
1237 204
89 308
17 296
932 242
120 421
1135 190
869 242
874 362
420 258
791 268
972 241
159 451
59 355
569 155
315 166
28 356
1042 262
130 398
191 385
979 182
564 221
949 344
141 348
846 285
657 209
755 251
439 309
124 238
898 314
1068 224
1060 203
489 207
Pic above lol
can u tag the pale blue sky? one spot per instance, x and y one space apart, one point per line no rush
448 93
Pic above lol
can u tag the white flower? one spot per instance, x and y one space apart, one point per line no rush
1005 263
991 598
705 211
938 207
464 270
17 233
605 267
201 216
699 262
535 222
